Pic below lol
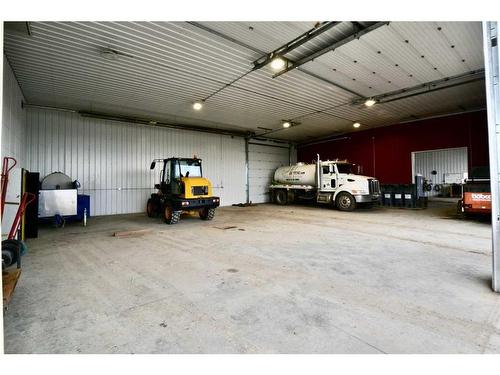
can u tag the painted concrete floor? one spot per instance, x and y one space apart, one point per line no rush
261 279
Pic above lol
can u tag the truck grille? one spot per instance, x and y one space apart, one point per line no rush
374 186
199 190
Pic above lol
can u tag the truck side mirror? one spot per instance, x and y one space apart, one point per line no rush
153 164
332 168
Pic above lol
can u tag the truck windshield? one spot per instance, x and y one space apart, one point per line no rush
188 168
345 168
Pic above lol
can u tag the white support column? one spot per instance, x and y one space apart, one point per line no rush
491 58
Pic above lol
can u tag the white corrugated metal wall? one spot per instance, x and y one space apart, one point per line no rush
13 140
111 159
13 117
263 159
445 161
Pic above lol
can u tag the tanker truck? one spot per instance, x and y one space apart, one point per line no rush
330 182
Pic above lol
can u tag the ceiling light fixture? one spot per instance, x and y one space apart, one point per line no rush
278 63
356 125
110 54
197 106
369 102
286 124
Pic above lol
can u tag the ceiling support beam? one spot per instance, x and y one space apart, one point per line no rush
293 44
425 88
237 42
329 82
357 33
142 121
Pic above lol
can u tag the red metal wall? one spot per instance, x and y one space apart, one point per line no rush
386 152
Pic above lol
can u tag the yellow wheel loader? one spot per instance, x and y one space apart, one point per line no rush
182 187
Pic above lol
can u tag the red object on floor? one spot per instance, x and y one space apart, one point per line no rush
5 179
25 200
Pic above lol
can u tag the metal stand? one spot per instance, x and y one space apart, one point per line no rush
491 58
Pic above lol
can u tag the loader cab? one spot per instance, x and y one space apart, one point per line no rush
173 172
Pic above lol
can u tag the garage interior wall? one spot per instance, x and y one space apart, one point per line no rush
385 153
13 117
111 159
449 165
263 160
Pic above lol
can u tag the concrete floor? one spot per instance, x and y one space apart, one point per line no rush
292 279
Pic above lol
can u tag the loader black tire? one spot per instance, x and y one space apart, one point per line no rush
207 213
152 208
171 217
281 197
345 201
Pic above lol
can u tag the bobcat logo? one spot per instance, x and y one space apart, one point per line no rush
481 197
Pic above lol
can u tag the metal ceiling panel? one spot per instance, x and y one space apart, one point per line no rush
444 54
263 36
382 61
336 33
296 87
163 67
450 100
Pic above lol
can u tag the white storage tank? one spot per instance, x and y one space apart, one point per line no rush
298 174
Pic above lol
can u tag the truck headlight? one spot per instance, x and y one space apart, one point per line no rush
359 192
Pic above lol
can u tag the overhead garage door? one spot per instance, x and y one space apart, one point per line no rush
263 159
449 165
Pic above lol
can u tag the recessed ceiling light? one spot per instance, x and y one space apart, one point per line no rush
287 124
278 63
356 124
197 106
370 102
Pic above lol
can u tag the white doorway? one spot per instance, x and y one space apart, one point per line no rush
444 166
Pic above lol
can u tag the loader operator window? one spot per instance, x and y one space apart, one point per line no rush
167 172
188 168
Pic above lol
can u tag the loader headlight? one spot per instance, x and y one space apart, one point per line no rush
185 203
216 200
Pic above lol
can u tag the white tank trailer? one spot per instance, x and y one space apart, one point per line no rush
330 182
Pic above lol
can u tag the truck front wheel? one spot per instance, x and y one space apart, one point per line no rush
207 213
281 197
345 201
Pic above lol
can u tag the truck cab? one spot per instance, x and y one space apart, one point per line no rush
338 177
